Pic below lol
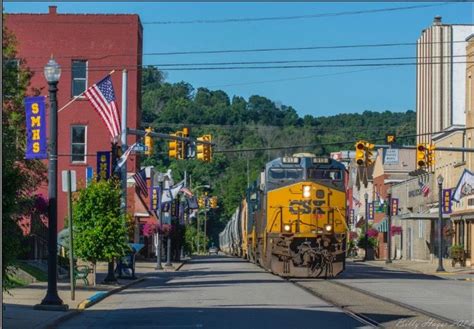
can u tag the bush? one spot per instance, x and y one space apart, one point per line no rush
372 242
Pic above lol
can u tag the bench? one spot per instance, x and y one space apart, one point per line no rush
81 272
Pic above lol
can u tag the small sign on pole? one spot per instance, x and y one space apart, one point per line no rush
447 201
65 184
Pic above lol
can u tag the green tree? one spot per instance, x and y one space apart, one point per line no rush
20 177
99 227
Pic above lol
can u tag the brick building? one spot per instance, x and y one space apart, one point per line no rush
87 47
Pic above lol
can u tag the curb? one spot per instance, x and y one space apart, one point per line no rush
97 297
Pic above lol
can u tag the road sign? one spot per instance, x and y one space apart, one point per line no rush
140 148
73 180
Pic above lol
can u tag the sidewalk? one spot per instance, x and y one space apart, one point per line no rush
426 267
18 307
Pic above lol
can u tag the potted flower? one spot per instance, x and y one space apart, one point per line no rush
458 255
372 244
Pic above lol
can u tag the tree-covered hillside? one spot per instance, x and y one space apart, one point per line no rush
257 123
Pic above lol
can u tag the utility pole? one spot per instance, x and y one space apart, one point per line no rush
389 230
123 176
366 197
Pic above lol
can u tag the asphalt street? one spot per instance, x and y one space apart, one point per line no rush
213 292
451 299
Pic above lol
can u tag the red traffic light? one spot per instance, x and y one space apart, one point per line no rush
360 146
421 148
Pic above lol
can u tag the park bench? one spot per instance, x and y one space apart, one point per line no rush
81 272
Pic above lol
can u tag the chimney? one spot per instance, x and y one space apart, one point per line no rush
53 10
437 20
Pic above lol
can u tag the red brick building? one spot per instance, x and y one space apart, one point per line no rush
87 47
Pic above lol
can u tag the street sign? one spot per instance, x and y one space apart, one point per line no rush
140 148
73 181
391 156
89 175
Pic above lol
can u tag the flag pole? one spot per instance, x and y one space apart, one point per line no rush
76 97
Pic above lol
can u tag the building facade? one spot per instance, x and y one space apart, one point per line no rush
87 47
440 78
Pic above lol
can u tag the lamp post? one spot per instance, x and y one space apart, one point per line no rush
52 72
389 228
440 224
366 246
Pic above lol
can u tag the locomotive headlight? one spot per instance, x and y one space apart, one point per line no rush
287 228
328 227
306 191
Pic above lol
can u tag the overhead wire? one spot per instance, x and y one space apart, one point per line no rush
294 17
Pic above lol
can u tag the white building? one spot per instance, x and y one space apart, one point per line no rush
441 78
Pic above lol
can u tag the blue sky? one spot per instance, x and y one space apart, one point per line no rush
374 89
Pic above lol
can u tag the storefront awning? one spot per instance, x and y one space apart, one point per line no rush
382 226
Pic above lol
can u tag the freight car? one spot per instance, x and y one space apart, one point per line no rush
293 219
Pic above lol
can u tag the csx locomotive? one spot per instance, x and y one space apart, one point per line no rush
293 219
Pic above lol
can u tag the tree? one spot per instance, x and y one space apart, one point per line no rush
99 227
20 177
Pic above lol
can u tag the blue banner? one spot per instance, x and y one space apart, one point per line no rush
155 197
36 142
89 175
103 165
447 204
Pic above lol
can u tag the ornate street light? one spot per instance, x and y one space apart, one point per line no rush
440 180
52 73
389 224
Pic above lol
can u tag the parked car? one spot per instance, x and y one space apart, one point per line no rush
213 251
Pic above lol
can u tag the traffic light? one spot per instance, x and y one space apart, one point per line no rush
369 149
184 145
202 202
360 153
173 148
430 156
421 159
204 151
148 142
213 202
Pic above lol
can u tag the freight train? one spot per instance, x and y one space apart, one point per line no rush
292 221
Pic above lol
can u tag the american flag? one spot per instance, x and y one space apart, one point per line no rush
140 179
102 97
425 189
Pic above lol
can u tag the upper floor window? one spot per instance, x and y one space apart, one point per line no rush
78 143
79 77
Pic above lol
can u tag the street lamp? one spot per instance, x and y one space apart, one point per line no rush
366 246
52 72
440 224
389 223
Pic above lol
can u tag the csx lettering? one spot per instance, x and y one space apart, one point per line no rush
307 207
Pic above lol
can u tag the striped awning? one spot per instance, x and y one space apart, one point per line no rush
382 226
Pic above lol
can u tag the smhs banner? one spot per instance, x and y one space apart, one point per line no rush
36 143
103 165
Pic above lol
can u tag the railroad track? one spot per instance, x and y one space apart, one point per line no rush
370 309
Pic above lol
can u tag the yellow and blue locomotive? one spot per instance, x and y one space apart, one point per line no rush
293 221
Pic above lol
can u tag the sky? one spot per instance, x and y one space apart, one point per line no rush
316 91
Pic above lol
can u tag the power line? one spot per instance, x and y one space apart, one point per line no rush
250 50
214 68
295 17
328 144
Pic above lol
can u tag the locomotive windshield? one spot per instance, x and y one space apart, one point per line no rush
317 173
286 173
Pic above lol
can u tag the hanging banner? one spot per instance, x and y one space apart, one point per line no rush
371 210
103 165
351 216
447 201
155 194
36 142
395 202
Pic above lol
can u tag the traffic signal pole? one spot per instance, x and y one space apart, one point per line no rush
438 148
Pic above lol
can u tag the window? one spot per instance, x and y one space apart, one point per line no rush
421 226
324 174
280 173
78 143
79 77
